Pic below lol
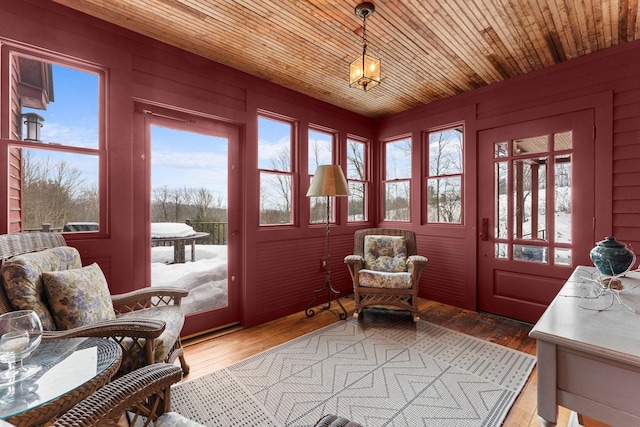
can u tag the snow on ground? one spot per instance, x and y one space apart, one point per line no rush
205 278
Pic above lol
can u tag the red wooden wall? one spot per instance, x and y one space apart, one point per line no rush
280 267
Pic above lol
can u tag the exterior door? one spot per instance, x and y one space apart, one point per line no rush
536 211
193 188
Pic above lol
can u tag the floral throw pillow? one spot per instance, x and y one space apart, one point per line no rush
22 277
78 297
385 253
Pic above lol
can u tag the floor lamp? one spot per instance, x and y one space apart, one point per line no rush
328 181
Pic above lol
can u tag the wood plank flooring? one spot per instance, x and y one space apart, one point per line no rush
217 350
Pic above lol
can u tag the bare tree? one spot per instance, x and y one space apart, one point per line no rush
55 192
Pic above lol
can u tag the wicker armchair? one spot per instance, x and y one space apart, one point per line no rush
140 324
385 269
144 394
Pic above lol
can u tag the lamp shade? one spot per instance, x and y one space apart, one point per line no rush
328 181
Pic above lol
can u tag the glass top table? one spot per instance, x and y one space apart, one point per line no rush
71 369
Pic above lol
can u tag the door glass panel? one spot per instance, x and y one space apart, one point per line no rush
189 183
529 198
527 146
502 249
501 150
562 199
530 253
502 212
562 141
563 256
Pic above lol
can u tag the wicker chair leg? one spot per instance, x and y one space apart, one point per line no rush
184 365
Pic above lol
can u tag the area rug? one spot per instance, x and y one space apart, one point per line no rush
378 373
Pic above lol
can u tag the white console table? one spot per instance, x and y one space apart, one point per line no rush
588 354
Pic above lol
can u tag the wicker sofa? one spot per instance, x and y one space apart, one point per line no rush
146 323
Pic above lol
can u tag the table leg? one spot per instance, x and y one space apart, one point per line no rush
193 250
178 251
547 383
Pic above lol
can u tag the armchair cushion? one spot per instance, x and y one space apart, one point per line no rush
78 297
172 315
385 253
23 278
383 279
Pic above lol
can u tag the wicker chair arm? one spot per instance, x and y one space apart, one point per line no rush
417 259
135 328
148 297
415 264
353 259
106 406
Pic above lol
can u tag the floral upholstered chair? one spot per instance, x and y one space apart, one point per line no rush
40 273
385 269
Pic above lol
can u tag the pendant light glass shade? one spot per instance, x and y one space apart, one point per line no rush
365 72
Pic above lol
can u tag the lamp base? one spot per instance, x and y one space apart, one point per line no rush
328 288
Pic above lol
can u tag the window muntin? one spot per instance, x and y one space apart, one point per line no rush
397 182
357 180
320 149
444 179
275 171
60 181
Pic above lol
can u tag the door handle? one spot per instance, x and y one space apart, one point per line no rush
484 229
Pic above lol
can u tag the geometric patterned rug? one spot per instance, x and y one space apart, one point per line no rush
377 373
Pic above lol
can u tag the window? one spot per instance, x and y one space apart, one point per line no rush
56 145
444 178
357 180
320 147
397 182
275 171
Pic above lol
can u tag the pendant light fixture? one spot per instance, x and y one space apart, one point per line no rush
364 72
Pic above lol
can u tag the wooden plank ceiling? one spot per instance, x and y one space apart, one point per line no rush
430 49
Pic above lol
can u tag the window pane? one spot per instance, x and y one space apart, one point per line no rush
501 209
562 200
60 189
530 253
501 150
444 200
501 250
66 100
562 141
319 210
529 183
357 211
396 203
275 198
533 145
563 256
320 150
355 160
445 152
398 159
274 145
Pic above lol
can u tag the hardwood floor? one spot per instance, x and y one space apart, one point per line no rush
214 351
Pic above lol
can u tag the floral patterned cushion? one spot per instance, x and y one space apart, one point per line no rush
173 419
385 253
78 297
172 315
382 279
23 283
